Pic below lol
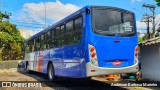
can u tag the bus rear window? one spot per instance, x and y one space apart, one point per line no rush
112 21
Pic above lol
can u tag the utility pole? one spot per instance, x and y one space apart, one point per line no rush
152 8
45 12
148 29
147 20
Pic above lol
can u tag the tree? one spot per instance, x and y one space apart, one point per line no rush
158 2
4 15
11 42
140 39
157 34
145 37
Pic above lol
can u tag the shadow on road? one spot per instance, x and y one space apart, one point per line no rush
72 83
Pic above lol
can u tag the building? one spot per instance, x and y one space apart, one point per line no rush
150 59
25 33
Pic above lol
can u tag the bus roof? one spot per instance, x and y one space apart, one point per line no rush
68 17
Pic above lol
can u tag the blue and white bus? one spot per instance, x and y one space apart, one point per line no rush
95 40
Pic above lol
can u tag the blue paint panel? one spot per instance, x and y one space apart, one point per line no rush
70 61
74 55
71 64
88 29
107 50
45 57
124 50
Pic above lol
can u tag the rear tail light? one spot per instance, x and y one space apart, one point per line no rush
93 55
136 49
136 54
92 49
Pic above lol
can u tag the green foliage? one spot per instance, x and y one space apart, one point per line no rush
140 40
158 2
157 34
11 42
4 15
145 37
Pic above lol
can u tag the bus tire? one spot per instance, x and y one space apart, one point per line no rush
50 72
27 68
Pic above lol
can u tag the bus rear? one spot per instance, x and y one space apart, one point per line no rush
112 42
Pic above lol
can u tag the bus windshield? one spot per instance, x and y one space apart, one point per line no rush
109 22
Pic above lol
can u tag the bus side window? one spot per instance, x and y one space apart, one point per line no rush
24 48
35 48
56 38
48 39
52 40
78 23
45 41
58 33
62 35
27 47
35 41
69 30
32 45
38 43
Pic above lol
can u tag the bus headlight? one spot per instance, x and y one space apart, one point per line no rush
93 55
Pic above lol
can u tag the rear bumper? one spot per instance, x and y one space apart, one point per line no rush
106 71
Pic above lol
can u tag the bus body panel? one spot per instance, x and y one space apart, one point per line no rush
67 61
122 50
112 50
73 57
30 58
73 63
74 60
70 64
105 71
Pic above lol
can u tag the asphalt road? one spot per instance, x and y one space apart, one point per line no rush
72 83
62 83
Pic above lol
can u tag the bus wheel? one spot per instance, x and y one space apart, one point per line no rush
27 68
50 72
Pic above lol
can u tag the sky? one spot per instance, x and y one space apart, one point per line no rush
30 14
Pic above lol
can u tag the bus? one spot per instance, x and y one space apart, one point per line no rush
95 40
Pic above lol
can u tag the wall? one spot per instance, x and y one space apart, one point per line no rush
150 62
16 65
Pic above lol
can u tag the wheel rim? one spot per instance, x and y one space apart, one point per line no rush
50 72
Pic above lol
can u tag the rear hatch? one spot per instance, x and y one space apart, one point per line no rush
110 50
